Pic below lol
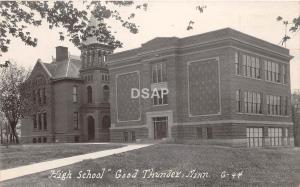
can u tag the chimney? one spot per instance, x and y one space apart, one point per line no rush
61 53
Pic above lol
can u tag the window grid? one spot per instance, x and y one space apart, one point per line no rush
236 63
251 66
286 137
158 73
89 94
209 132
199 132
44 95
34 121
238 101
252 102
277 105
254 137
40 121
74 94
161 99
272 71
75 119
275 136
284 74
45 120
39 96
33 96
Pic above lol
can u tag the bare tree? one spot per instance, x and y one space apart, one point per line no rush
296 115
13 95
2 126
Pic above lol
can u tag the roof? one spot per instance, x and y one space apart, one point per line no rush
201 39
64 69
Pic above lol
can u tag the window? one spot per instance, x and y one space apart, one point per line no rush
125 134
44 95
74 94
99 55
75 119
40 121
252 102
284 74
251 66
236 63
272 71
45 139
88 58
276 105
39 96
105 93
275 136
39 140
105 77
209 133
238 101
34 121
133 136
33 96
45 120
158 73
92 56
286 137
285 106
255 137
161 99
34 140
89 94
199 132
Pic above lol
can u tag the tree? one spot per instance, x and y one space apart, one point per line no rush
2 126
17 16
14 98
291 26
295 101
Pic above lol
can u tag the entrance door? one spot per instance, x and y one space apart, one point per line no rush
104 135
91 128
160 127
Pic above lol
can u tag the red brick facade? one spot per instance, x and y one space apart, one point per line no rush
225 87
202 81
69 113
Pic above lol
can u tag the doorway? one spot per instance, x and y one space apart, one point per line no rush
160 125
105 135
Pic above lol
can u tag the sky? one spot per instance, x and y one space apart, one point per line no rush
166 18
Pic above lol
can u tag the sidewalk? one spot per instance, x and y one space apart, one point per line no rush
47 165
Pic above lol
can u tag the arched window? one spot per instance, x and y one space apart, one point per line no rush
105 93
89 94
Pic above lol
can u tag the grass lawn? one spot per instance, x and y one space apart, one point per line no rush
260 167
18 155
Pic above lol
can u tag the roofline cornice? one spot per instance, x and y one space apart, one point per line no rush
191 46
66 79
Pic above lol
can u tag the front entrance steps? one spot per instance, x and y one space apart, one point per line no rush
155 141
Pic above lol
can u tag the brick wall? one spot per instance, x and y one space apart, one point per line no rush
195 67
